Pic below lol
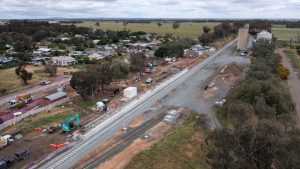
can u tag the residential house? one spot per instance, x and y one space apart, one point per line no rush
63 61
195 51
96 56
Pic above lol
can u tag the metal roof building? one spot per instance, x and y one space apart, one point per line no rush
56 96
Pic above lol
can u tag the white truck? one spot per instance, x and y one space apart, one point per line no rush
5 140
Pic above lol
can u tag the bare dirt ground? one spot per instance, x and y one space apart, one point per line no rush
122 159
137 121
293 82
227 77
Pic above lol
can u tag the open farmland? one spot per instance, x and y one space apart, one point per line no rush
285 34
187 29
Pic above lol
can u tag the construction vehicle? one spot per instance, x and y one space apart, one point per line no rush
71 123
20 101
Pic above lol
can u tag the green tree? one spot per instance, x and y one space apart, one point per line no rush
23 74
119 69
176 25
51 70
137 62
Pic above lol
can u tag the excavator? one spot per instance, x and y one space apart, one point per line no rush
71 123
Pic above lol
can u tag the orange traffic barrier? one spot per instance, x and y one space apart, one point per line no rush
57 146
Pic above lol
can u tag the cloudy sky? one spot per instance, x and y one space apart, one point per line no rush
22 9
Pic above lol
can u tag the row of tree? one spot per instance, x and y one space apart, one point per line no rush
91 82
220 31
174 48
261 112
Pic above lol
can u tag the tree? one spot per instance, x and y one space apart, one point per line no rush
51 69
206 29
206 38
119 69
137 62
263 147
85 84
176 25
23 74
103 74
159 24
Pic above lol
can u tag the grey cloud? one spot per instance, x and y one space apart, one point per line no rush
150 8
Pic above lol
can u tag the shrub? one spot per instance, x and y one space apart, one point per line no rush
283 72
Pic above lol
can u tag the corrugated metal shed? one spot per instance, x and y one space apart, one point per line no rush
56 96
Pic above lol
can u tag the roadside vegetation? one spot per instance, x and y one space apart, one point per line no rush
262 133
181 149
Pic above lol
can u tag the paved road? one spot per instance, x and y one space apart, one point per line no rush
293 82
36 89
181 83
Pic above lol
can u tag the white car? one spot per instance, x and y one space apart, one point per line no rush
149 81
220 102
45 82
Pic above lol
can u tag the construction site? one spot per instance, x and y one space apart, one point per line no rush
43 124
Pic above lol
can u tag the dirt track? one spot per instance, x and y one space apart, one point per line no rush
293 82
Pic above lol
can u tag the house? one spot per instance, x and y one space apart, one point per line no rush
198 48
264 35
79 36
42 51
96 56
195 51
243 38
96 41
6 60
192 53
63 61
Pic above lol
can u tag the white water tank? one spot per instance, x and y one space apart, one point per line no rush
130 92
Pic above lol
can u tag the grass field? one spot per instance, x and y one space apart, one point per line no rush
11 82
182 149
189 29
285 34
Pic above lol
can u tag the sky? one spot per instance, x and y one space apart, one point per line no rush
40 9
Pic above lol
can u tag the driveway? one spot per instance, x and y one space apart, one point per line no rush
293 82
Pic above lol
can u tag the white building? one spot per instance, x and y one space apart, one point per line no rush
63 61
264 35
96 56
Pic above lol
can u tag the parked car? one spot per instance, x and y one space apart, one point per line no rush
149 81
44 82
244 53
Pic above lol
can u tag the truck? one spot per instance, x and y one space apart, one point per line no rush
5 140
20 101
